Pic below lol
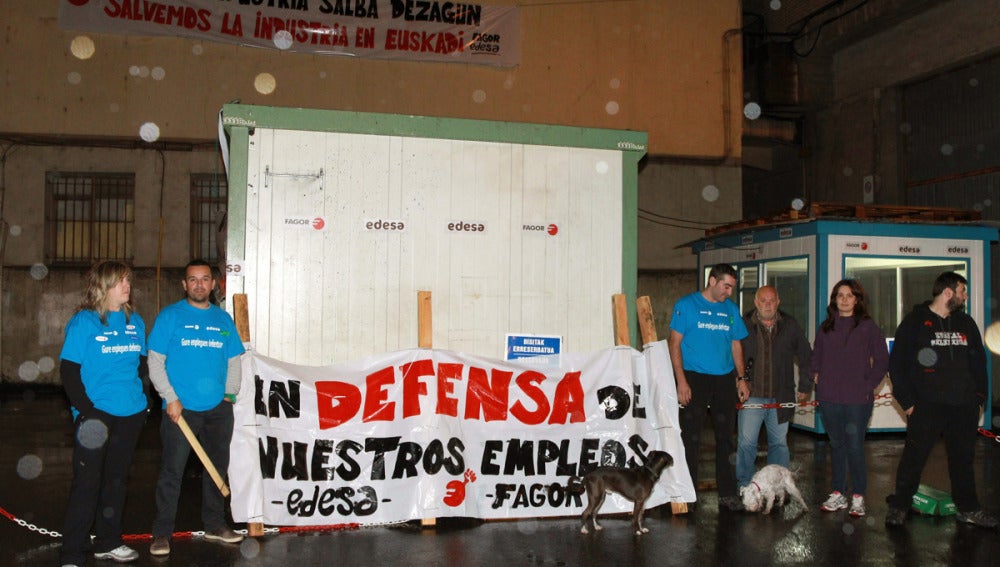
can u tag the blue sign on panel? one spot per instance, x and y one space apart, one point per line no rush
529 346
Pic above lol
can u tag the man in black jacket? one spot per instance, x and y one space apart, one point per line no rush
774 342
938 372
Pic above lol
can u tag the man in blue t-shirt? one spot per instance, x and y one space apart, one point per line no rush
194 363
707 358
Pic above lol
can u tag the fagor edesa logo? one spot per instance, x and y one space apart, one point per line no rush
551 229
384 225
305 222
466 227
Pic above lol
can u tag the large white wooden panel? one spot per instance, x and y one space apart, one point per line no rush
320 295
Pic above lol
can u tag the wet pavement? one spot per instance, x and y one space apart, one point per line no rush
36 444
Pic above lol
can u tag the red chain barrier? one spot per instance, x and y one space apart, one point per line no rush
185 535
989 434
7 515
331 528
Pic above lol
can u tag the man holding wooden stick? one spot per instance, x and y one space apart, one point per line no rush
194 363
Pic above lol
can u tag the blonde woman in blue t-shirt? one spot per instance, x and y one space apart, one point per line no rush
101 361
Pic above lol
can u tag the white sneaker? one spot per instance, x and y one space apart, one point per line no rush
121 554
857 506
836 501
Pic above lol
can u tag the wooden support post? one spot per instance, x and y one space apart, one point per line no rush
647 326
425 339
620 316
425 328
241 316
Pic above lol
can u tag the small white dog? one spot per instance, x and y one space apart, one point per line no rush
773 483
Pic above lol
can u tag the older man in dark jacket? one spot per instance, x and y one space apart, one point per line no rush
774 342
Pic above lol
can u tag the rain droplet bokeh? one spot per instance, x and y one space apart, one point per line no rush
149 132
28 371
250 548
264 83
29 467
46 364
710 193
927 357
283 39
92 433
82 47
39 271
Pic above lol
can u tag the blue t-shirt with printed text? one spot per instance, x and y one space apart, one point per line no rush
197 344
108 356
709 330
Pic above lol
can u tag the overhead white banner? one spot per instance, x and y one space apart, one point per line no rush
417 30
431 433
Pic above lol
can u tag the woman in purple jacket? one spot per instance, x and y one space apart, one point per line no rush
849 361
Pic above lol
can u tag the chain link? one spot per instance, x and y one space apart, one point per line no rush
183 535
776 405
989 434
33 527
886 397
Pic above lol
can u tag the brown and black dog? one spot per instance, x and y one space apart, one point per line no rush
635 484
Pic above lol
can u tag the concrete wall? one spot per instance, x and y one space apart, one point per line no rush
162 189
36 306
664 288
854 130
663 64
677 202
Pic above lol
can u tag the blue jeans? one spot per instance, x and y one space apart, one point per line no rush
214 429
846 424
749 421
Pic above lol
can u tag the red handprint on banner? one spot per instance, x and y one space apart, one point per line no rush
455 494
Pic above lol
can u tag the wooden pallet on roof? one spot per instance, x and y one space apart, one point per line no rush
890 213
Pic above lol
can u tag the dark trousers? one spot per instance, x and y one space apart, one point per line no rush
847 425
924 427
719 392
102 455
214 429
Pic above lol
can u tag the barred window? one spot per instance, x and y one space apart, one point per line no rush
208 213
89 217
